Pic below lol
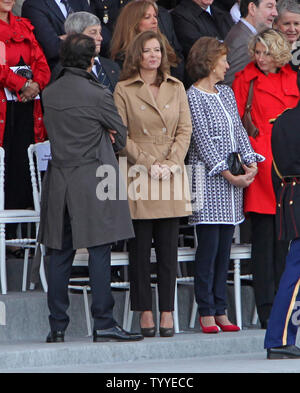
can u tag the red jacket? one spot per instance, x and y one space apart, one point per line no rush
272 94
18 39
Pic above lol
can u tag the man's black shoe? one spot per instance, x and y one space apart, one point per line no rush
56 336
115 333
284 352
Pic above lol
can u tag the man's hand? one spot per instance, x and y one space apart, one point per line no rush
30 92
111 135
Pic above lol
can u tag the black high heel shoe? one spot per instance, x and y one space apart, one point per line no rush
166 332
147 332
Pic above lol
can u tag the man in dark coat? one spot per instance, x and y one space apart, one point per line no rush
284 319
48 17
198 18
106 70
81 206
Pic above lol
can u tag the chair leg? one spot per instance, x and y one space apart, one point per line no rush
193 314
25 269
175 313
237 293
157 308
255 316
42 270
87 311
126 309
3 260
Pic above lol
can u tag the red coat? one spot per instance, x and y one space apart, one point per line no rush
272 94
18 40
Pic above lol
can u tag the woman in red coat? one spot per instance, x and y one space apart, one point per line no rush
24 72
274 90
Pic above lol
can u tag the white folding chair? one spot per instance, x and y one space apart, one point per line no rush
17 216
118 258
39 154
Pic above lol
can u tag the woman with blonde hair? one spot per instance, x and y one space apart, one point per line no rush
136 17
153 105
274 90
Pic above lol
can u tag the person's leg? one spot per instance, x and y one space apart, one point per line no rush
221 268
59 272
139 266
262 227
284 318
165 233
102 299
207 250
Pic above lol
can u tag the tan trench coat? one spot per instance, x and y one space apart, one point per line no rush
157 130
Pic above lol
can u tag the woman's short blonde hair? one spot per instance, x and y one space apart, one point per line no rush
203 57
276 45
134 56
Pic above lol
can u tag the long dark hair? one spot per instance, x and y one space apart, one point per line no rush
134 55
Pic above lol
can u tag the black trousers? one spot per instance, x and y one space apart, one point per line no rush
211 267
165 234
59 272
268 262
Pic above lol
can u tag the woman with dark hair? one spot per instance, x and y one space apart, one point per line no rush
134 18
154 107
274 90
24 73
217 193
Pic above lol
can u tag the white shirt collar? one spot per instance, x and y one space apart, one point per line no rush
251 27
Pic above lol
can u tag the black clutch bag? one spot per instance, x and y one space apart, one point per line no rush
235 164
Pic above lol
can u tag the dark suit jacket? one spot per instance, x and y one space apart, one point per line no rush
238 57
48 20
112 70
110 67
191 22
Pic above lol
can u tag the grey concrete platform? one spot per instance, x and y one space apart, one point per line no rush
80 352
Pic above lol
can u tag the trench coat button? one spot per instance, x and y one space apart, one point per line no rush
3 100
291 202
164 129
167 106
279 205
282 184
294 183
145 131
1 121
143 107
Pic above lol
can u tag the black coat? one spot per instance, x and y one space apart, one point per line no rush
286 154
48 22
78 113
192 22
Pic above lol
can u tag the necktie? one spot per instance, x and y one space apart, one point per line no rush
69 9
101 75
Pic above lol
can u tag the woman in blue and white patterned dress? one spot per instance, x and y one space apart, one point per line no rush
217 193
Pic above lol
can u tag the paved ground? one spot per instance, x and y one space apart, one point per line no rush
242 363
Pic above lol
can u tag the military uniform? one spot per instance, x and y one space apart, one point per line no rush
284 321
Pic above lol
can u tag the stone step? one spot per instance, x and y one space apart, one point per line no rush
80 352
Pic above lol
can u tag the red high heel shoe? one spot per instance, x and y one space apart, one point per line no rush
228 328
209 329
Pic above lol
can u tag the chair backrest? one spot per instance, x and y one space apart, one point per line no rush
2 153
38 154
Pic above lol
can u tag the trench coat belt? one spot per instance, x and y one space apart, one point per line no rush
155 139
